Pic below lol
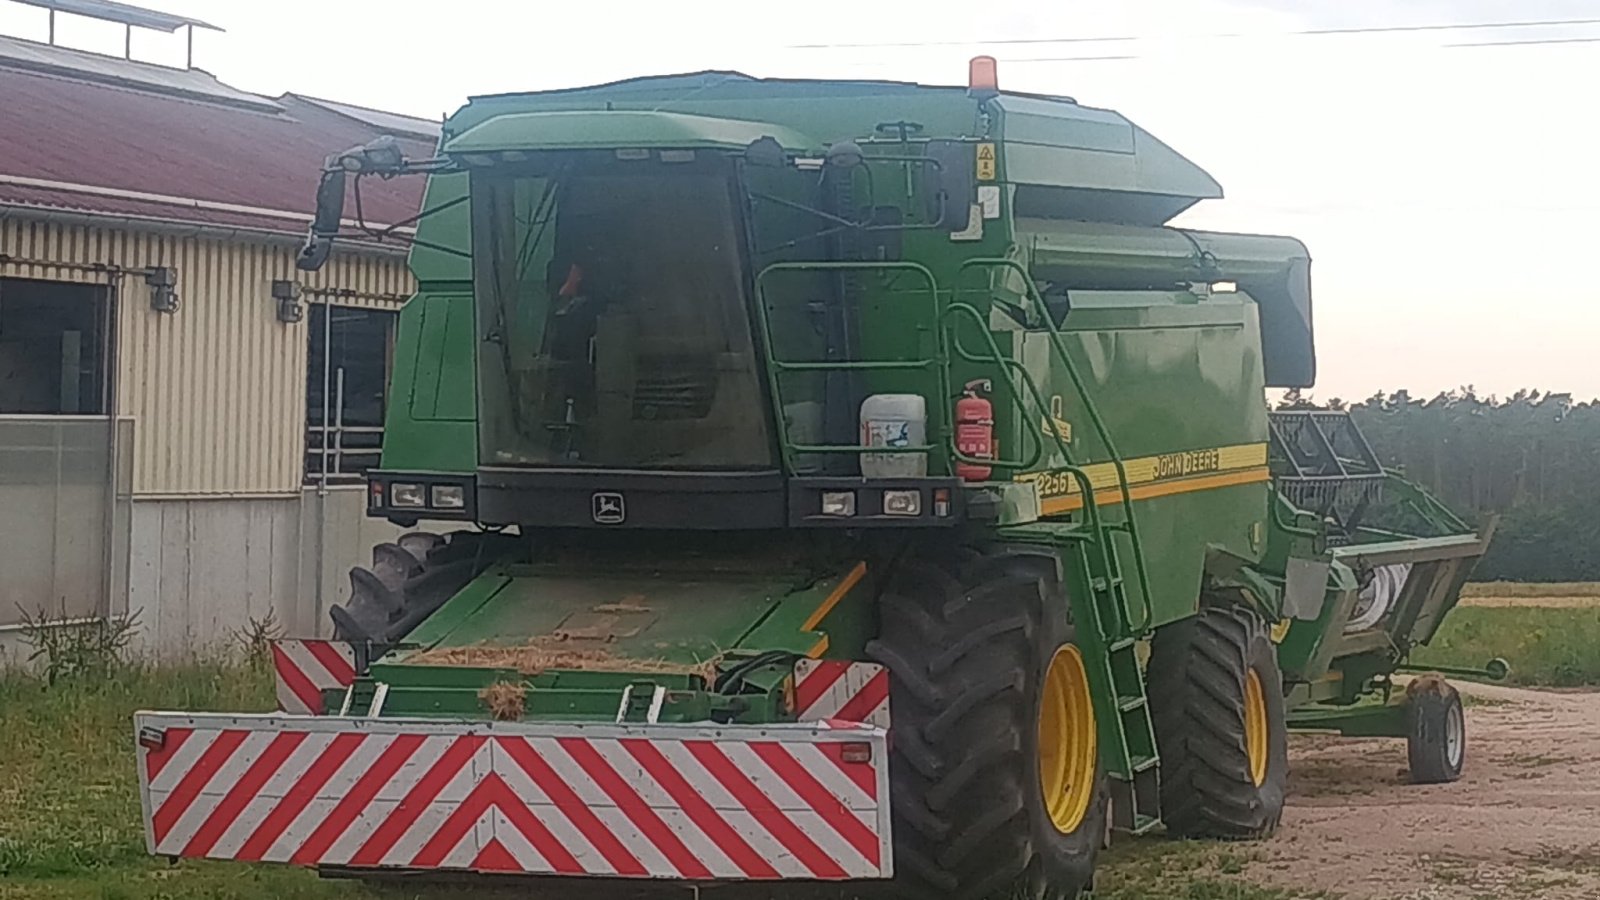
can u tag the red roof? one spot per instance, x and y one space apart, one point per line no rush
158 148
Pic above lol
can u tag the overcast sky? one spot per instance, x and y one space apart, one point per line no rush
1448 194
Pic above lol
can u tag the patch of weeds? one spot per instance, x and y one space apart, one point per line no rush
1190 870
65 648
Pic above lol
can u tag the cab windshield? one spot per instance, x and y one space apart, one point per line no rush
611 303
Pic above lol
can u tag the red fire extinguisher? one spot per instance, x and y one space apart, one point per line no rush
975 429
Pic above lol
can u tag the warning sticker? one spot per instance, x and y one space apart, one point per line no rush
986 162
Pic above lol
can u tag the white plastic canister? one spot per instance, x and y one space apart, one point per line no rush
894 420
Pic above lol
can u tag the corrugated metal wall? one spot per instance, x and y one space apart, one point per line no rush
218 388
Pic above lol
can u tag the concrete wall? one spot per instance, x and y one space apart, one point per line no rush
202 570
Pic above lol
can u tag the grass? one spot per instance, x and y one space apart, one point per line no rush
1154 869
1532 589
1546 646
68 793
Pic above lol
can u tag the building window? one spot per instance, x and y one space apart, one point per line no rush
53 344
348 364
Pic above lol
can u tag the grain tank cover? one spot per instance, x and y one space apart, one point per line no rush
620 129
1077 162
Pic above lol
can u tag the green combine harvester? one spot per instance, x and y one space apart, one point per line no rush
855 484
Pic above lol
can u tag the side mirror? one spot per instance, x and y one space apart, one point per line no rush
950 184
325 222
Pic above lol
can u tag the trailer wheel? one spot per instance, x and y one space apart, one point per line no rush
409 579
1436 731
996 783
1216 696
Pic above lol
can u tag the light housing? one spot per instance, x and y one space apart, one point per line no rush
902 503
407 496
447 496
855 752
983 78
838 503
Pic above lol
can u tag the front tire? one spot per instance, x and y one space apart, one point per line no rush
1216 696
1436 731
991 708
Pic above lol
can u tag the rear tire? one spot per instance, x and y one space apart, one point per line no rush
409 579
967 653
1436 731
1216 696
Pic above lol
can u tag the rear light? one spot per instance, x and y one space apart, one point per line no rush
941 502
855 752
152 738
375 494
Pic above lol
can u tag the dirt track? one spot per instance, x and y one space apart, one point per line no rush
1524 820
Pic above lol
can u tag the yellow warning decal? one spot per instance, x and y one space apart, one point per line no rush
986 165
1154 476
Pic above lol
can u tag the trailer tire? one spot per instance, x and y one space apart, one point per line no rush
1216 697
1436 731
408 580
972 651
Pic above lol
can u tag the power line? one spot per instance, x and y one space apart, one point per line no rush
1531 42
1364 29
1011 60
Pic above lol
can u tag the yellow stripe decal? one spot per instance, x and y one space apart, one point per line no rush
1155 476
850 580
819 648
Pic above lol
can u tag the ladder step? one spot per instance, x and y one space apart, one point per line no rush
1121 644
1143 824
1129 704
1141 763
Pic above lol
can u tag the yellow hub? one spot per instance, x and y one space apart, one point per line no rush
1067 752
1255 726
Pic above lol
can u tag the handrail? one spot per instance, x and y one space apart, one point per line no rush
939 362
1016 397
1089 500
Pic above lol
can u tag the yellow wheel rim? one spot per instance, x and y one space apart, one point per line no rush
1255 726
1067 753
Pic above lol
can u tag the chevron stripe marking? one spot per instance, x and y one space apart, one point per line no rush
707 819
766 812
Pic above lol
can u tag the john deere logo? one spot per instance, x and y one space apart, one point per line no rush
609 508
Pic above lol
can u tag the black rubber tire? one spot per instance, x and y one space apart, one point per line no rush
1433 710
966 648
1197 674
409 579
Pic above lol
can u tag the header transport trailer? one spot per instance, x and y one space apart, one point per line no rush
854 484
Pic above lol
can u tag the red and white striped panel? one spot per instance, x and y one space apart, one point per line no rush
645 801
304 669
841 690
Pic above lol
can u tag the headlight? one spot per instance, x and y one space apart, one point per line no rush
449 496
902 503
838 503
407 495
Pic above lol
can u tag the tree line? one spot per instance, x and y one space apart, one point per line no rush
1531 459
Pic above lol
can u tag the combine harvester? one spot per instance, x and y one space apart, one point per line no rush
858 484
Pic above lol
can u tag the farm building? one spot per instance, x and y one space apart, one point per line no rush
184 416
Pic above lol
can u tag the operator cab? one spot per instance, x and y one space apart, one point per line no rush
634 367
615 322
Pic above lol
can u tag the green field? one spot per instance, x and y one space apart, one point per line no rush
1546 646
